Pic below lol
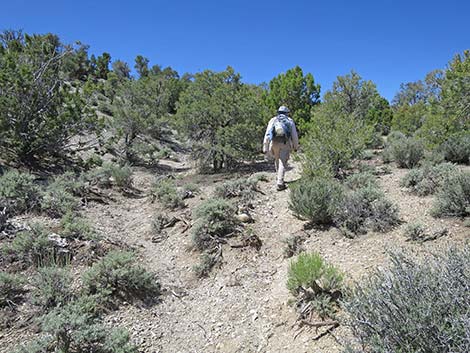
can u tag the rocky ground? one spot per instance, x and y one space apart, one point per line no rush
243 306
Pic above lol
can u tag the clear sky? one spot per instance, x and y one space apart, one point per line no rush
388 42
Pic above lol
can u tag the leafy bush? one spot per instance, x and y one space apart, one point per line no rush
74 328
457 148
221 117
366 208
37 126
361 180
453 199
414 231
76 227
311 279
316 199
11 288
34 247
414 306
408 152
57 201
166 192
19 191
52 287
207 262
244 189
428 179
110 174
215 221
117 276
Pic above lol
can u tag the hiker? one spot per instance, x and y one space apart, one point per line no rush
280 138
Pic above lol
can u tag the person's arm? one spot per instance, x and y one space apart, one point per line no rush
267 136
295 137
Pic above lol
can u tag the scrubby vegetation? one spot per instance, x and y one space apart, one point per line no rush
316 284
428 179
117 276
74 124
409 307
215 222
316 200
453 199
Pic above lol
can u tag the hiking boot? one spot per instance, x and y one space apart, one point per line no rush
281 187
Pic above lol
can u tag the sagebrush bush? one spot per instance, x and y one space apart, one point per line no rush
215 220
33 247
11 288
243 188
20 192
51 287
57 201
118 276
167 193
414 306
109 175
75 227
316 199
428 179
366 208
408 152
70 183
361 180
457 148
311 279
453 198
207 262
74 328
414 231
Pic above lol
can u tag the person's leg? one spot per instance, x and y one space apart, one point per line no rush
275 150
284 154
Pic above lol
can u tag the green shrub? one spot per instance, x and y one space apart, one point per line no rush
189 190
414 306
76 227
117 276
428 179
166 192
70 183
215 221
316 199
361 180
457 148
51 287
408 152
11 288
207 262
453 199
73 328
19 191
56 201
109 175
414 231
33 247
364 209
311 279
244 189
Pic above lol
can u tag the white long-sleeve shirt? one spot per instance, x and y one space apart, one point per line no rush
294 138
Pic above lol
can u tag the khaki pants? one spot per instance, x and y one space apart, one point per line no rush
281 153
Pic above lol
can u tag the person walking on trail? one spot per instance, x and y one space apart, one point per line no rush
280 139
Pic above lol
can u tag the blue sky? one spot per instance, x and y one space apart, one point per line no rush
388 42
